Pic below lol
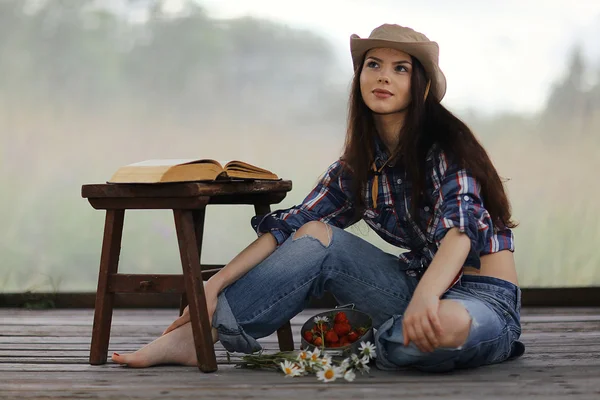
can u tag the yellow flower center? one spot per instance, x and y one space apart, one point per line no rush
288 371
329 374
303 355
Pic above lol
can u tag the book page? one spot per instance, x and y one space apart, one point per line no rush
164 162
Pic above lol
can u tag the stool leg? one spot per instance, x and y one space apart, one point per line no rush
192 276
198 216
285 337
109 262
284 333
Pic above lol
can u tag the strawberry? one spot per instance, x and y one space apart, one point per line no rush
352 336
342 328
331 337
344 340
308 336
318 341
340 317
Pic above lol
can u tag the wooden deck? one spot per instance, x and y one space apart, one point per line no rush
44 354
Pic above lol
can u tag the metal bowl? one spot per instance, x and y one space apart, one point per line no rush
355 318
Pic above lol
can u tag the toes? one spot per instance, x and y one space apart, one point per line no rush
119 359
133 360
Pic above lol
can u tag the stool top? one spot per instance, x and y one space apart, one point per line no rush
184 189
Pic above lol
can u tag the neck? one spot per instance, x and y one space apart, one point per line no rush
388 127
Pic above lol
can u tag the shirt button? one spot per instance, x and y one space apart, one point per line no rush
426 208
466 198
399 181
378 225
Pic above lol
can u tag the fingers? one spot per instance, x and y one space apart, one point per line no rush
429 338
177 323
434 319
422 332
407 332
186 310
416 335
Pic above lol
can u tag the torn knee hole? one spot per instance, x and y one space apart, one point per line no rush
314 230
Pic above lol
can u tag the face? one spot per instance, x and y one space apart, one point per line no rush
385 80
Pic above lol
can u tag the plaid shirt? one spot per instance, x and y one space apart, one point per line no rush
452 199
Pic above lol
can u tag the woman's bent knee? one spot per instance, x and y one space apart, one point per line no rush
316 229
456 323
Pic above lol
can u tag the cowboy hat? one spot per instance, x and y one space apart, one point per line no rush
409 41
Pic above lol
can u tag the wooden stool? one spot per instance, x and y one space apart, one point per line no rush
188 202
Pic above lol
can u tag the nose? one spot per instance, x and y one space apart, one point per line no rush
383 79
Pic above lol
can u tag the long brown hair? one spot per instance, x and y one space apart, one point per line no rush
427 122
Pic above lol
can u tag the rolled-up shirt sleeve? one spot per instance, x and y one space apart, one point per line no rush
329 202
462 206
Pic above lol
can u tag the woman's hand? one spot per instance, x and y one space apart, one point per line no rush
211 294
421 324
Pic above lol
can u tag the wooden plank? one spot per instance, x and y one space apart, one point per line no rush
190 189
580 298
73 350
548 358
135 330
146 283
562 360
149 203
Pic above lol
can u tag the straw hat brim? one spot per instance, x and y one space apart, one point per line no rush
425 52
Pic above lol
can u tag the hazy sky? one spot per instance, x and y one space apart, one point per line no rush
497 55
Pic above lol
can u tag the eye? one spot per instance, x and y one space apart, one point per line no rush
401 68
372 64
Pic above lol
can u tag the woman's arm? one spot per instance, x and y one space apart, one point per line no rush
247 259
421 323
465 227
329 201
446 264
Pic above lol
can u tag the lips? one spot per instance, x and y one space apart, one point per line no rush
382 93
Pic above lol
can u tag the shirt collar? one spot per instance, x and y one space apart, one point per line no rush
381 154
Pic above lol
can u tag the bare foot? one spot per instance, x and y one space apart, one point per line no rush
176 347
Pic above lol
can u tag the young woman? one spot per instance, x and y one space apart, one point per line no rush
417 175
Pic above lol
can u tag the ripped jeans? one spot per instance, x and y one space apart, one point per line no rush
355 271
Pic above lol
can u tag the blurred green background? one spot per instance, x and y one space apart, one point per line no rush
86 87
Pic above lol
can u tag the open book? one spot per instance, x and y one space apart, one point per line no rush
188 170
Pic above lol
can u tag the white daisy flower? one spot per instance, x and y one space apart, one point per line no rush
349 375
365 369
345 364
321 319
325 361
329 374
303 356
289 369
314 355
368 349
301 368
